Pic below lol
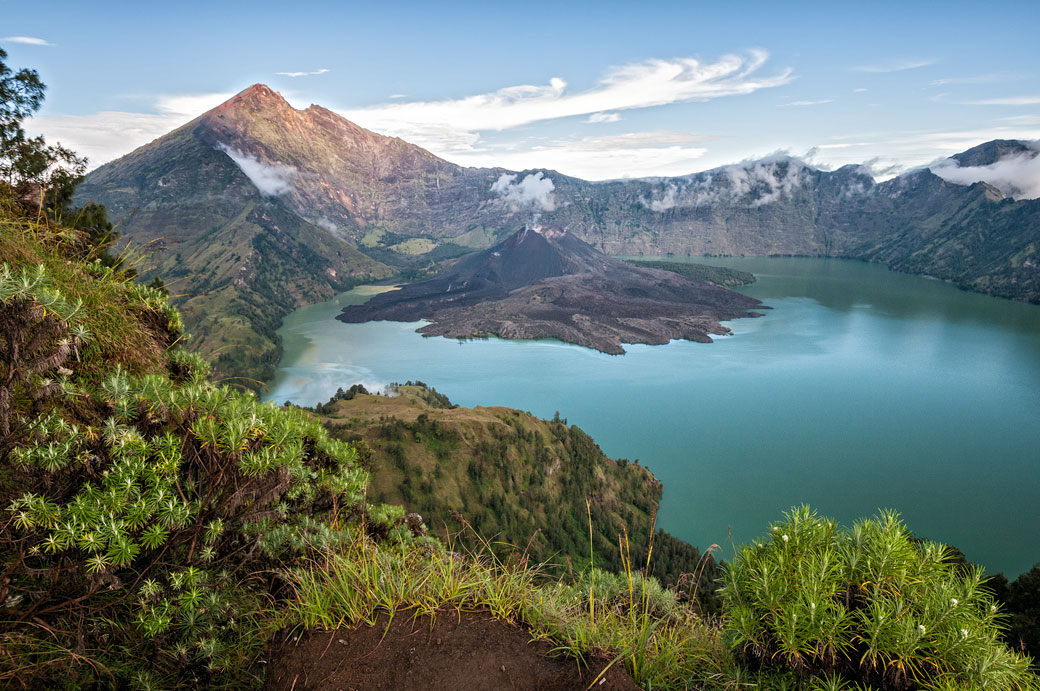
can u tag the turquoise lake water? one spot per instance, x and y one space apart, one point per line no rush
861 388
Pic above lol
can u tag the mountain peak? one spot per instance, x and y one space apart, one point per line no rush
990 152
258 97
258 91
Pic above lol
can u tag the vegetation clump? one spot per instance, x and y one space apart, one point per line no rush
869 606
148 512
627 617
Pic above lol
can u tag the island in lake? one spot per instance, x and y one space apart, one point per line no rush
542 282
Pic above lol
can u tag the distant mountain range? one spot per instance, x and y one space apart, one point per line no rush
262 208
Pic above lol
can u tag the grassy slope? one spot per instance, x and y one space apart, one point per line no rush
514 477
121 331
519 481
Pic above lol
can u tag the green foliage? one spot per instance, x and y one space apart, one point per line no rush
425 393
33 284
92 220
693 574
1021 603
869 604
663 644
144 511
37 335
621 592
356 584
340 395
518 481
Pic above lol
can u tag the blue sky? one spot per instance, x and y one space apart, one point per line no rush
597 90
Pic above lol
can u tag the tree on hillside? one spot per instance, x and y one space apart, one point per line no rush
41 174
44 176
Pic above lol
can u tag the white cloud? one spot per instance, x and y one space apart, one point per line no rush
1016 176
271 180
102 136
634 154
665 202
189 106
398 95
1008 101
891 153
859 91
767 180
752 183
976 79
1028 120
882 169
894 66
452 128
807 103
323 70
640 85
534 192
327 224
107 135
26 40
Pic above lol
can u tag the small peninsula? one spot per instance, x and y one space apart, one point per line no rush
542 282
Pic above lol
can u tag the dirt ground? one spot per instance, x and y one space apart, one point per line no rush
453 652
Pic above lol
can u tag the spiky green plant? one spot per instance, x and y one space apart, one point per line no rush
36 338
869 605
147 515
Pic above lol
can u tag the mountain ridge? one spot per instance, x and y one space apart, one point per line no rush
357 206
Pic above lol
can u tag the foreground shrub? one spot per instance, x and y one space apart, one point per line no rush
147 517
869 605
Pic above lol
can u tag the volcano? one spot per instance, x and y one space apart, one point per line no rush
543 282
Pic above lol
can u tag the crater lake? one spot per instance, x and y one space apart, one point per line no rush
860 389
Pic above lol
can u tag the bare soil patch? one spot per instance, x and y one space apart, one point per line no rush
464 652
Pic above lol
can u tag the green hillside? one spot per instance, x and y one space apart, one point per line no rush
532 487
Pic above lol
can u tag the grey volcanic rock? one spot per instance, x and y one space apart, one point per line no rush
546 283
